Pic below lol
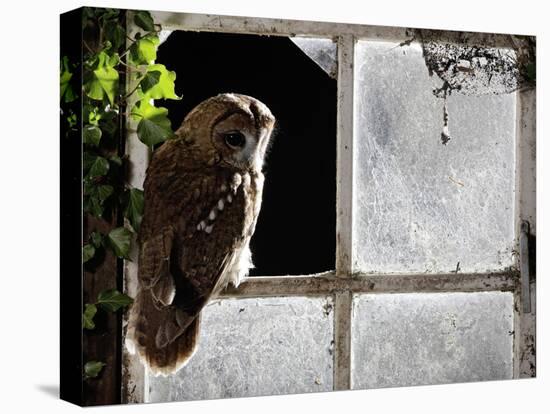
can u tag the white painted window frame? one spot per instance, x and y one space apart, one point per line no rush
345 280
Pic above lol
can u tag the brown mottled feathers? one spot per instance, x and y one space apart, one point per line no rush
200 212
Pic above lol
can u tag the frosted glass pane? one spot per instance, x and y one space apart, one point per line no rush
251 347
431 338
423 206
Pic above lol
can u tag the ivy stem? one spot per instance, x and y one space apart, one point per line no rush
130 94
132 68
87 46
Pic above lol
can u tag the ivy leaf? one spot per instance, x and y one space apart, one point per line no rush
91 135
88 251
104 81
96 238
87 160
134 208
112 300
154 126
144 50
93 368
98 168
154 131
107 13
116 160
88 12
92 114
115 33
93 206
164 88
67 92
150 79
71 120
104 192
119 240
144 20
88 316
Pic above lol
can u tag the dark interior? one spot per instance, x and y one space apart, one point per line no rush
296 231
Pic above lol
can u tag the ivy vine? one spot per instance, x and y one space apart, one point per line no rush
110 55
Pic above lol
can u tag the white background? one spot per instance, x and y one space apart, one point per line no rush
29 206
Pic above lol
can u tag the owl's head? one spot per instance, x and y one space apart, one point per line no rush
230 130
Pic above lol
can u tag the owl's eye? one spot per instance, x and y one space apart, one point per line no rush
234 140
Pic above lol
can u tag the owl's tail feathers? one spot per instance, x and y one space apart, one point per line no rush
163 340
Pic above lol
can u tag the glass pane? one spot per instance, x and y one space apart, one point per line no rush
431 338
324 52
251 347
425 203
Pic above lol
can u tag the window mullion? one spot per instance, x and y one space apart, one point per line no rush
344 212
345 158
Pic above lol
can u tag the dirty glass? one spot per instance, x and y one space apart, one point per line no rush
321 51
435 161
431 338
251 347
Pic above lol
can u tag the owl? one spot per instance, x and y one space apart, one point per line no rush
203 193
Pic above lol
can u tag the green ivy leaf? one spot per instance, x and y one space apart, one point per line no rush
87 160
96 238
88 13
88 316
104 192
98 168
144 50
93 368
92 114
150 79
112 300
71 120
116 160
93 205
67 92
115 33
91 135
154 131
104 81
154 126
119 240
108 13
164 88
134 208
88 251
144 20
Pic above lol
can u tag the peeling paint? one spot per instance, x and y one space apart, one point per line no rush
473 70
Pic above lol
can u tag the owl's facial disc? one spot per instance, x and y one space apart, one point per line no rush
237 141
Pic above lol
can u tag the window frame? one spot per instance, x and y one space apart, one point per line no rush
346 280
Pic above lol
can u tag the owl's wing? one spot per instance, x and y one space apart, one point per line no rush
174 205
184 252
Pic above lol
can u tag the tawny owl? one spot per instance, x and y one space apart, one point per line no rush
203 193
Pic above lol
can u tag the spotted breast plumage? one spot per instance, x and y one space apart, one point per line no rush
203 194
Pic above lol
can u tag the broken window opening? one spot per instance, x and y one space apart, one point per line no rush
296 233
